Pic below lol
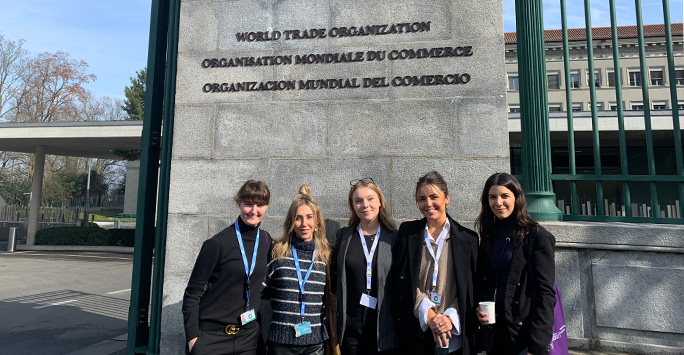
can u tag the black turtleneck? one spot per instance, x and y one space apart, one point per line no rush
501 256
219 268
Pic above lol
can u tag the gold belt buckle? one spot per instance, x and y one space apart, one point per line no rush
232 329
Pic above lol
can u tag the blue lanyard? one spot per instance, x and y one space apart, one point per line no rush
302 282
369 255
248 270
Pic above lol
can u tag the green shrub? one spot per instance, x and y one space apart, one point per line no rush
92 235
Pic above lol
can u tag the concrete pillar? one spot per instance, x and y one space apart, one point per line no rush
131 193
36 195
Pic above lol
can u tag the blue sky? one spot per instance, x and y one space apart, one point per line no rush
111 36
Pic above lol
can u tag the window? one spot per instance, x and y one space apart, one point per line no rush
554 107
657 77
659 105
513 83
576 107
597 78
574 79
679 76
611 78
634 77
514 108
553 80
637 106
680 106
599 106
613 106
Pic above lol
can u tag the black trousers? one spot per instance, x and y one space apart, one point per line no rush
247 341
425 345
283 349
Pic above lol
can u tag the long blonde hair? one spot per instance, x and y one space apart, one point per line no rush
382 214
282 248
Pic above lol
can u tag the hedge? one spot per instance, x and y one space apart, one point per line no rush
92 235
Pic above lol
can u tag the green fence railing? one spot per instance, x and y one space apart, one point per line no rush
620 174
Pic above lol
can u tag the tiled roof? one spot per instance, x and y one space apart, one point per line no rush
579 34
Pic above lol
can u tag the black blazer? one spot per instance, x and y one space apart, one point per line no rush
386 331
464 251
528 318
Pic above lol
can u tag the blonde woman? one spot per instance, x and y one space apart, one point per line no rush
296 280
362 262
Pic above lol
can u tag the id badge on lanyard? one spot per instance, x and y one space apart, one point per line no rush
249 315
302 328
433 296
366 299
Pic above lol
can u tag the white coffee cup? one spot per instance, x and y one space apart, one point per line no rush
488 307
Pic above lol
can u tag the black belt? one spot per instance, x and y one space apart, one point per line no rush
230 329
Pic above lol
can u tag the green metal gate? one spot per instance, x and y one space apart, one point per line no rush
607 194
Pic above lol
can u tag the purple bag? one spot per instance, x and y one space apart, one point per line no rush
559 338
559 335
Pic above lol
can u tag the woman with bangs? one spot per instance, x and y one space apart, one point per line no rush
296 281
360 273
221 301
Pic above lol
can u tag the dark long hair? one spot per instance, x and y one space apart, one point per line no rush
486 221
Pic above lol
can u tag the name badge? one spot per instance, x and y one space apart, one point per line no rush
302 329
247 316
369 301
435 298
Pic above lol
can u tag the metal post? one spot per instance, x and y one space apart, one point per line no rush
164 180
534 113
12 239
138 313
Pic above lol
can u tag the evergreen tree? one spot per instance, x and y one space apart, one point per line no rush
135 96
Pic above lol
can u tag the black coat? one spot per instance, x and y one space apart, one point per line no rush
386 332
464 251
528 318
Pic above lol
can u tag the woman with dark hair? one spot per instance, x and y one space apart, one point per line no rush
221 301
516 271
436 266
362 260
296 280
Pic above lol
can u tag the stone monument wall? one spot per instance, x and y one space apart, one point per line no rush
321 93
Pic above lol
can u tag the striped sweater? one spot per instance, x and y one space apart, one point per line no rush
282 287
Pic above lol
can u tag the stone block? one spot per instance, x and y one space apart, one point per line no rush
639 297
193 131
465 179
199 27
191 77
485 68
172 304
659 235
208 186
184 238
477 19
474 114
568 281
271 130
424 128
328 179
172 343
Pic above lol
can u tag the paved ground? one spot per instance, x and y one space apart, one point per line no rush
59 302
